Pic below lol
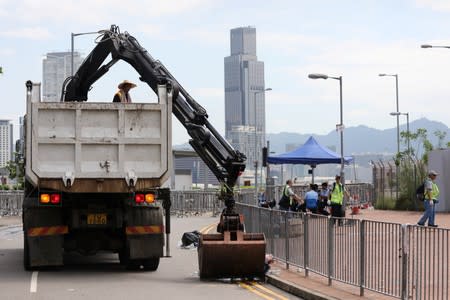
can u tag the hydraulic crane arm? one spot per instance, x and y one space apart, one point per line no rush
225 162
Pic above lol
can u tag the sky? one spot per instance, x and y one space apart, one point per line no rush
354 39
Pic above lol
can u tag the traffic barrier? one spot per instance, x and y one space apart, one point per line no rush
401 261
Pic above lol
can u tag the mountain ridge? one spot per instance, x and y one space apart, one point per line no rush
359 139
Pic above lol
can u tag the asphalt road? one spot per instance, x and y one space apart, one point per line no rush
102 277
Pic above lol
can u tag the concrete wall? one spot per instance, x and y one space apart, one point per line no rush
439 161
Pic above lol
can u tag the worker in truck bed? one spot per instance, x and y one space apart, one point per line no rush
122 95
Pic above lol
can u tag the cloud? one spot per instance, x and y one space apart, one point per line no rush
436 5
7 52
96 11
33 33
209 92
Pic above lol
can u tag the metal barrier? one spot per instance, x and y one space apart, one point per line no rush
186 203
402 261
362 194
11 203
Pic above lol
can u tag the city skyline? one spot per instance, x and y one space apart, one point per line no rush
355 40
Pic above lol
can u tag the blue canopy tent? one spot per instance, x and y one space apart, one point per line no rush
311 153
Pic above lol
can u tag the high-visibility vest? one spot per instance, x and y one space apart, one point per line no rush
337 195
434 191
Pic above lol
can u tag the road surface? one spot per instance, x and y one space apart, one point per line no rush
102 277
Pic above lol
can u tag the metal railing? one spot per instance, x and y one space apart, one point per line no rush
361 193
401 261
186 203
11 203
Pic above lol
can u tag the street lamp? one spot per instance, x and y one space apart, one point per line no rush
73 35
407 128
398 126
431 46
256 137
340 126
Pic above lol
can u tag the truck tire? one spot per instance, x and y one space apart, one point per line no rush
130 264
151 264
26 254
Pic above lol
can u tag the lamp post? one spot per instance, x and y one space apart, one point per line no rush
407 128
340 126
73 35
256 138
398 128
431 46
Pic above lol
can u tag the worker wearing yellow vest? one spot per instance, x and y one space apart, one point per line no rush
289 200
337 198
431 198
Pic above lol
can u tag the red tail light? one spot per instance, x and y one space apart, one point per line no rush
50 199
139 198
55 198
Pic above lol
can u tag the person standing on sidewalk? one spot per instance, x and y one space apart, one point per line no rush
289 199
430 200
337 198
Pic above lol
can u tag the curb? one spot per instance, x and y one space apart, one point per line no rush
296 290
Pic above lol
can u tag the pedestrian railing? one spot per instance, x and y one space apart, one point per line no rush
187 203
362 194
402 261
11 203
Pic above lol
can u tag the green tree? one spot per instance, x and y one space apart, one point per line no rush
441 136
16 169
413 164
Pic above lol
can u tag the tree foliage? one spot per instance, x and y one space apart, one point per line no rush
413 164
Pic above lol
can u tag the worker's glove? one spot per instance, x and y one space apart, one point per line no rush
431 202
328 202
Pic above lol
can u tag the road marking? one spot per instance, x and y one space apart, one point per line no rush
254 291
206 229
268 291
33 285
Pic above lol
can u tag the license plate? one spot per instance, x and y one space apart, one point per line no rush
96 219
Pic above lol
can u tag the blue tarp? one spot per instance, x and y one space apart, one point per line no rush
311 153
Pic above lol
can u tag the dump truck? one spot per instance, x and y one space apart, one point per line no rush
94 171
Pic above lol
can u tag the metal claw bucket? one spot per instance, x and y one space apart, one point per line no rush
233 254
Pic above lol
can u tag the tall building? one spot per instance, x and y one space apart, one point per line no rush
56 67
244 95
6 142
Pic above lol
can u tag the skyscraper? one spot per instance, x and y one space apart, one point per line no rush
244 94
6 142
56 67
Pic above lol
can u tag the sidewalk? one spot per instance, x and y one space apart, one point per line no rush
315 286
10 220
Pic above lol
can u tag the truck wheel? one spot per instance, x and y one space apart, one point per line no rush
151 264
123 258
133 264
130 264
26 253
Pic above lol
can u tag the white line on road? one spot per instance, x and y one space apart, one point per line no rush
33 285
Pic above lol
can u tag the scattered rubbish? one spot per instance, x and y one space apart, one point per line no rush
190 239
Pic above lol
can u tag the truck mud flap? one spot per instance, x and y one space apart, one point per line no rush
233 254
44 250
145 246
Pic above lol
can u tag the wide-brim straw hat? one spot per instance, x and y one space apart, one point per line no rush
126 82
432 172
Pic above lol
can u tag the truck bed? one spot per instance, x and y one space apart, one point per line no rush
104 147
